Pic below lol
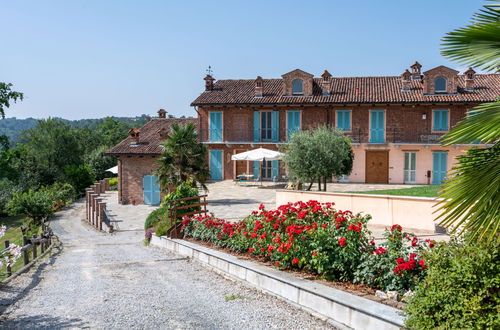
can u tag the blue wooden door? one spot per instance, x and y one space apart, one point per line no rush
215 126
293 123
216 164
377 126
439 162
151 189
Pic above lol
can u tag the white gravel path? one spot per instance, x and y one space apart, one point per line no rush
102 281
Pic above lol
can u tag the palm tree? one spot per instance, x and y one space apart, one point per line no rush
183 159
471 196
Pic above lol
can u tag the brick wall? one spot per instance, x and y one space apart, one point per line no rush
131 169
404 123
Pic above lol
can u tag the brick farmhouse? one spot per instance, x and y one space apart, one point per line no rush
395 122
137 156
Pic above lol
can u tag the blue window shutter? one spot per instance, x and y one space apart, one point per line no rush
275 169
215 126
444 120
156 190
347 120
340 119
293 122
256 170
275 125
147 189
437 120
256 126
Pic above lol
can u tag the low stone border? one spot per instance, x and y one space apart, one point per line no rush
343 309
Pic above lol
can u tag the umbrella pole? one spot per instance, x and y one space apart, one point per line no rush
261 173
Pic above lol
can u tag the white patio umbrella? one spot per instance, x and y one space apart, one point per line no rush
113 169
259 155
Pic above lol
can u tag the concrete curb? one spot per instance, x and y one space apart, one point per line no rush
343 309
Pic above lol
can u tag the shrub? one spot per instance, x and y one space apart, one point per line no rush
397 264
62 193
184 190
155 217
162 227
79 177
34 204
460 290
113 182
7 189
310 236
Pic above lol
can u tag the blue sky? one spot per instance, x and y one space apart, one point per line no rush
90 59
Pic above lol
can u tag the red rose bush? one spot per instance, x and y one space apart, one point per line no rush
310 236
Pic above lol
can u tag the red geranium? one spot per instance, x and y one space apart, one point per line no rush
342 241
295 261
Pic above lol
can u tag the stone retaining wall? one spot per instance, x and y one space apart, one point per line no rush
341 308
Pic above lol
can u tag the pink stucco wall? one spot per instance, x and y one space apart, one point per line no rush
413 213
396 161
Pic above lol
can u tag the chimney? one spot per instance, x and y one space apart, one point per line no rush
469 79
405 79
326 83
162 113
209 82
259 87
134 134
416 71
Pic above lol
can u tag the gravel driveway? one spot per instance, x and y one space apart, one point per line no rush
115 282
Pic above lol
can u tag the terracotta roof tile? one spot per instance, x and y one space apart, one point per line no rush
349 90
149 137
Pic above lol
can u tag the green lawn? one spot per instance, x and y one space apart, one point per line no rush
14 235
421 191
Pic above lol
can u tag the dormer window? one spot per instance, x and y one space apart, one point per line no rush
440 85
297 87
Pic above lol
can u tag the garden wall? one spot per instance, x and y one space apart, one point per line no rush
344 310
413 213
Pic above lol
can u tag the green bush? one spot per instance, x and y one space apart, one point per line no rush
155 217
62 192
162 227
460 290
34 204
184 190
113 182
7 189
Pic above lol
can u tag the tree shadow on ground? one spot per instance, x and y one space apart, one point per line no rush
14 293
44 322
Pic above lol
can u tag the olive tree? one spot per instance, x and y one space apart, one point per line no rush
317 155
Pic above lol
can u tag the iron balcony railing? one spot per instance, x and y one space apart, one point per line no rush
357 135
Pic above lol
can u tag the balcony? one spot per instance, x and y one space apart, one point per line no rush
357 135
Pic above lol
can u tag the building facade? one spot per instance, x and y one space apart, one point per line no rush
395 122
137 156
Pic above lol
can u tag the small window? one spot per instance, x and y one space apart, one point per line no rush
344 120
440 85
440 120
297 88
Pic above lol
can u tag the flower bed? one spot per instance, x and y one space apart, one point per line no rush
318 238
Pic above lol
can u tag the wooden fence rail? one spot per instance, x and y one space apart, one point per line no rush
95 207
34 243
185 204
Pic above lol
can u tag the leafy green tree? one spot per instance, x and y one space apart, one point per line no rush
34 204
113 131
317 155
471 196
53 145
6 96
183 158
99 163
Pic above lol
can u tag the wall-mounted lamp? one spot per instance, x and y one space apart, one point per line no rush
424 116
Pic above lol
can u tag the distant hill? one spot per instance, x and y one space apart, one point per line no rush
12 127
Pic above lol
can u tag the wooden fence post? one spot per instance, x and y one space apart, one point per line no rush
26 257
33 243
9 267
